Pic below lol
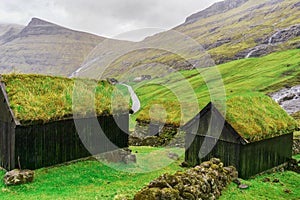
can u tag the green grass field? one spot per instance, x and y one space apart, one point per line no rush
94 180
266 74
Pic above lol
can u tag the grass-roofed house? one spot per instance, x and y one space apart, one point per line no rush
256 134
38 126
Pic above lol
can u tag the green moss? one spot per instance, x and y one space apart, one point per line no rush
46 98
257 116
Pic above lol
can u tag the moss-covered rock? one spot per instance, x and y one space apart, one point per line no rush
205 181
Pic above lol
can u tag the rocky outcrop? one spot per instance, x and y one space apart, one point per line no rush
146 134
267 44
202 182
17 177
119 155
285 35
288 99
217 8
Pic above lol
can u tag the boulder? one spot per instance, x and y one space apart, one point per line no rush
173 156
17 177
129 159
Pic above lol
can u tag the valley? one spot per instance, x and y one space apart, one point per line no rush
234 54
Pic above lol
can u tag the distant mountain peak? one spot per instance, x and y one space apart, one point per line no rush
216 8
39 22
41 27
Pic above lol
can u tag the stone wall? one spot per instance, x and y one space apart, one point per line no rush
296 146
205 181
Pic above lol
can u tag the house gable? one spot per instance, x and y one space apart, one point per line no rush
6 114
210 123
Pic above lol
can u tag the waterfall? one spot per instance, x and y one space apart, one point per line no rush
86 65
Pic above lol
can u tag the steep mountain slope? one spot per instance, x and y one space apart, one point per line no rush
226 31
250 28
9 32
46 48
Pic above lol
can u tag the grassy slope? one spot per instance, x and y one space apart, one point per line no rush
266 74
267 190
47 98
94 180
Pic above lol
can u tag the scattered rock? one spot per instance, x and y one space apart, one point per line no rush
129 159
243 186
120 155
288 191
237 181
266 179
276 180
120 197
173 156
184 164
17 177
293 165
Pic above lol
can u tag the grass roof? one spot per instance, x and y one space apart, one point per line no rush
257 116
39 98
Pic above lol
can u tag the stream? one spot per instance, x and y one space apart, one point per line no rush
288 99
136 105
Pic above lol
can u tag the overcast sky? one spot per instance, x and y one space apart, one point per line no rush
103 17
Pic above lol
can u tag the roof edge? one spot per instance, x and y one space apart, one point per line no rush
3 89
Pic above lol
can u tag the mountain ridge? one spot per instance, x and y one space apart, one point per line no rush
216 8
45 48
226 31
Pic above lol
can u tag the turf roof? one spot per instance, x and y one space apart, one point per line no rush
39 98
257 116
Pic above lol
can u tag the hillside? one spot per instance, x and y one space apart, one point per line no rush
249 28
226 31
265 75
45 48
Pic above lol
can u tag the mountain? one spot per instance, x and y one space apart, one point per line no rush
235 29
8 32
44 47
227 30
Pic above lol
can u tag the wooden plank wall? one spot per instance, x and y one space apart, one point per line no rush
53 143
7 131
263 155
226 151
249 159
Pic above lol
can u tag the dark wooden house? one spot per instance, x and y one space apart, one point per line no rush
256 135
39 143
